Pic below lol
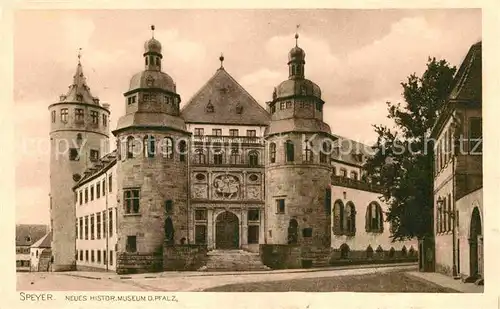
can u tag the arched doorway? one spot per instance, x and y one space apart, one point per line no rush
227 232
169 231
475 244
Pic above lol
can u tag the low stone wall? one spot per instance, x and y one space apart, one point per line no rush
132 263
280 256
184 257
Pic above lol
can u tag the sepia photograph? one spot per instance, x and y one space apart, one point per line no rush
248 150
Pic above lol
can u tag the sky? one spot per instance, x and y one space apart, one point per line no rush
358 57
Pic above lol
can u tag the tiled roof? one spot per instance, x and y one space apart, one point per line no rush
43 242
223 100
351 151
103 164
468 80
28 234
79 91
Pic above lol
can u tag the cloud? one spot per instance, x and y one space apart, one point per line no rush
260 83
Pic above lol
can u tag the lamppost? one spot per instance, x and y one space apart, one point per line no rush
440 202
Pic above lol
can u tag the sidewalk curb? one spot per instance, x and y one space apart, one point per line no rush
229 273
408 274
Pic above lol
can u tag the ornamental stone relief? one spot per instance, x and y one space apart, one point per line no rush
253 192
226 187
200 191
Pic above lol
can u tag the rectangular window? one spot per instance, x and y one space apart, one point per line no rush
280 206
91 193
92 256
110 183
80 197
86 255
233 132
81 255
86 227
111 257
169 207
94 155
95 117
131 244
288 104
104 260
110 223
53 116
98 225
81 228
343 172
307 232
253 215
253 234
282 105
92 227
99 256
217 132
198 132
131 198
475 136
79 114
86 195
64 115
218 156
104 187
354 175
104 120
251 133
104 224
73 154
200 214
98 190
200 234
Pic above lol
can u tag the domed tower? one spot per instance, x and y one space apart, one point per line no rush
152 165
298 144
79 135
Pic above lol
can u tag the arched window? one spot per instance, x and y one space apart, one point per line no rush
374 218
293 228
253 158
350 219
182 150
307 154
272 153
79 139
218 156
338 218
130 147
199 156
369 252
293 70
149 146
344 251
289 151
404 253
168 148
169 231
392 252
235 157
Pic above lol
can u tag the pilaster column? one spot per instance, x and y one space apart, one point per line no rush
210 229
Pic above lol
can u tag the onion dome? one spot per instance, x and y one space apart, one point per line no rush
152 79
295 87
296 53
152 46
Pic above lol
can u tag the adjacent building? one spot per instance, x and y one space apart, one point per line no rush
41 254
222 173
27 235
458 179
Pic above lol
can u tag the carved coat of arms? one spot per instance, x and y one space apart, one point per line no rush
226 186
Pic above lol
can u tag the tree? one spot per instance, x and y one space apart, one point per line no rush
403 160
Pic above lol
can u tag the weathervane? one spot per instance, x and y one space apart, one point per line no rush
153 31
221 58
79 54
297 35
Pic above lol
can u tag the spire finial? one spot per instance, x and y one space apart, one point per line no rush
221 58
153 31
297 35
79 54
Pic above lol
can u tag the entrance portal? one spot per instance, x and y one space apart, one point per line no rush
227 232
475 250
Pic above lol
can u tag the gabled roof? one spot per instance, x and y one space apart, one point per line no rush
468 80
28 234
43 242
223 100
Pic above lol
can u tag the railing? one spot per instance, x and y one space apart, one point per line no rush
355 184
228 139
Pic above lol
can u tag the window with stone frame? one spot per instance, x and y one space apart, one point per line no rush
350 219
307 232
282 105
218 156
131 245
199 131
235 157
307 153
200 214
199 156
92 227
131 199
73 154
95 117
233 132
130 147
289 151
98 190
328 201
86 255
343 172
253 215
168 147
91 193
217 132
325 151
253 158
251 133
98 225
81 255
475 135
110 183
94 155
110 228
104 120
64 115
338 218
272 153
53 116
86 195
200 234
149 146
80 220
79 115
253 234
280 206
99 256
86 227
104 224
104 257
374 222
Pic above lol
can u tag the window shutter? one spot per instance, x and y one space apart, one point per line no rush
367 219
381 220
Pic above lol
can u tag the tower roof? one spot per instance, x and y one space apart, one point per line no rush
223 100
78 91
468 80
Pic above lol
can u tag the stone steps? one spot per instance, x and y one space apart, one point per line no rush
233 260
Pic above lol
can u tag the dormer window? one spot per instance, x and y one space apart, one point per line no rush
79 97
239 109
303 90
150 81
210 107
